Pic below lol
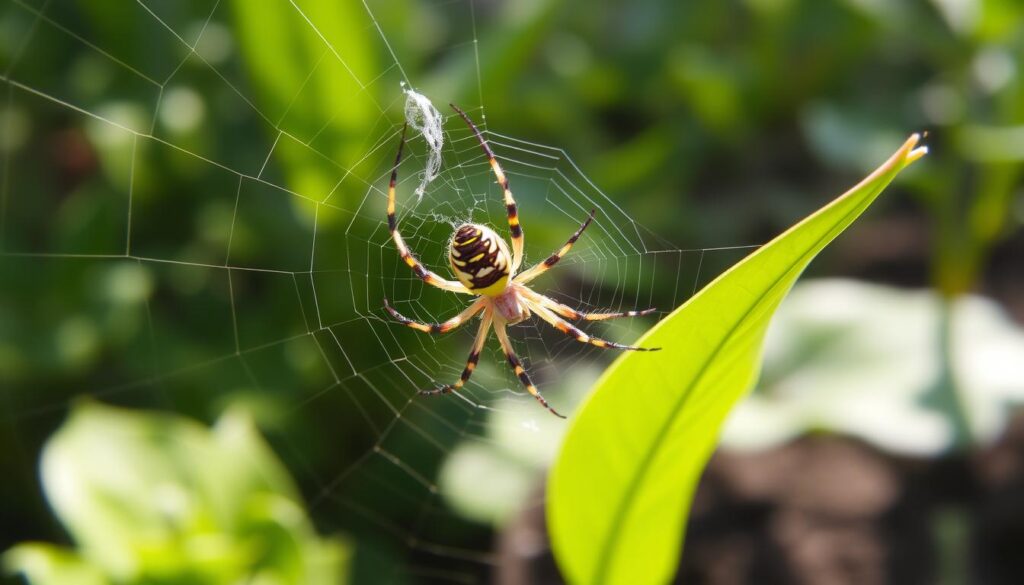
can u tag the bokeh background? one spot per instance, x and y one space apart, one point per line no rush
191 227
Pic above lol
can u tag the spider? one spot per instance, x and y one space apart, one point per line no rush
481 261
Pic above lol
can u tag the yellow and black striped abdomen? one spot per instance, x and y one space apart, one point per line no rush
480 259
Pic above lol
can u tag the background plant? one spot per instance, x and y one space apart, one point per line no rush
153 498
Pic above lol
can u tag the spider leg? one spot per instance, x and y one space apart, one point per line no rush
570 313
514 228
425 275
553 259
474 357
517 367
574 332
437 327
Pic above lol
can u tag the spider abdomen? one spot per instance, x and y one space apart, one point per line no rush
480 259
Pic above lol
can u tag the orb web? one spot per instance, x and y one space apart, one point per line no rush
203 223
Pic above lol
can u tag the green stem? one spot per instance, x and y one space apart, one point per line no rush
946 394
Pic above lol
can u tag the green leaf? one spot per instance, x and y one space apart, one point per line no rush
620 488
151 497
43 564
315 75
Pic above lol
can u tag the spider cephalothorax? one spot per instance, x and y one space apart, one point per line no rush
481 261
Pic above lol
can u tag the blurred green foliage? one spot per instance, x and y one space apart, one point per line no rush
154 498
712 123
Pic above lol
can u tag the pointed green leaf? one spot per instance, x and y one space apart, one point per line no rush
620 489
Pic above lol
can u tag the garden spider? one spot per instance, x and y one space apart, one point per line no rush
481 261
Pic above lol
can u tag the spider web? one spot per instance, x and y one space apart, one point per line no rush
184 251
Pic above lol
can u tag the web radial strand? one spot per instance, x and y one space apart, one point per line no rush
220 237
